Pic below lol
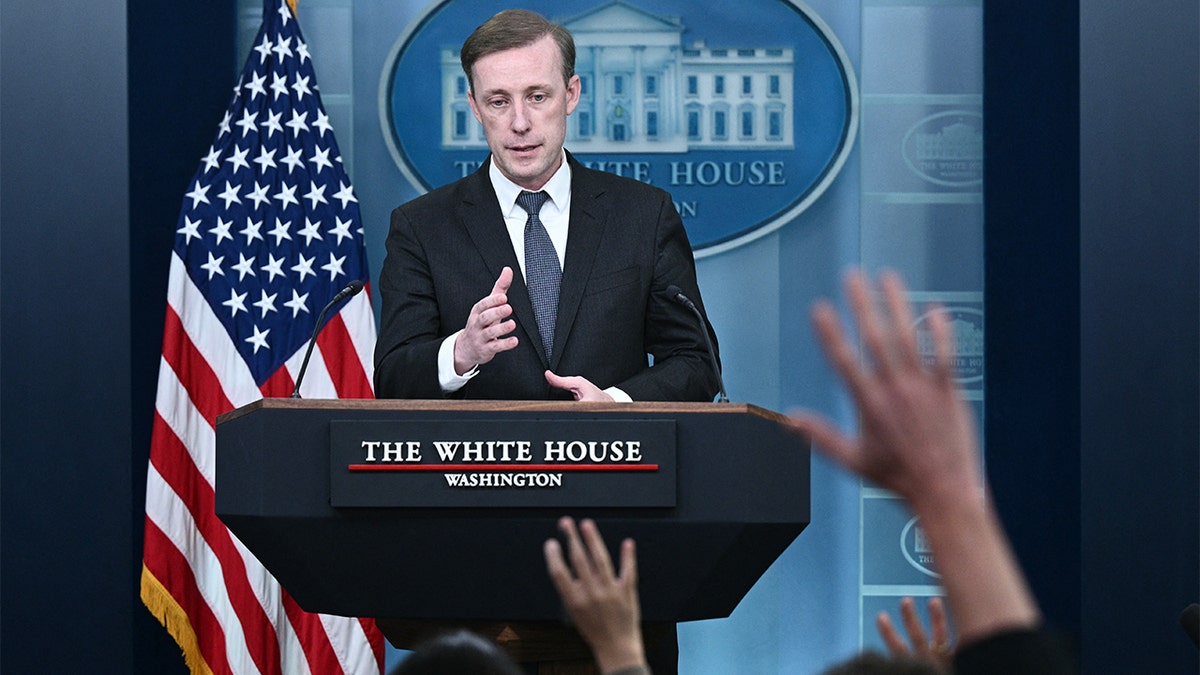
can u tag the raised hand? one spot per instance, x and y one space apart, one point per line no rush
602 604
488 330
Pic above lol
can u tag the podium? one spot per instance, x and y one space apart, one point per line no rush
395 541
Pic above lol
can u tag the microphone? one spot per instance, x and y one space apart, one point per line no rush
1190 620
676 295
351 289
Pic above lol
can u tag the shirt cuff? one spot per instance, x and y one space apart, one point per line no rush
618 395
447 377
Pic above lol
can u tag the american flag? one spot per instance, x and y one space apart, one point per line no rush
269 232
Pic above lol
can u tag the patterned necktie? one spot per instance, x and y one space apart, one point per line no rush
542 271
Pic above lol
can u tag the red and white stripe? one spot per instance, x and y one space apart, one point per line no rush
226 611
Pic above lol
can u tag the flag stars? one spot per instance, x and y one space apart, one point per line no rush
300 86
293 159
266 304
238 158
212 160
247 123
222 230
255 87
278 86
286 195
264 49
223 127
266 159
298 303
236 303
259 339
298 122
198 195
191 228
272 124
342 230
259 195
334 266
302 51
320 159
345 193
251 231
280 232
230 195
244 267
322 122
274 268
284 12
304 267
282 48
316 194
213 266
309 231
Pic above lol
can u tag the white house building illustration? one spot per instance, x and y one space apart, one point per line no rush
643 91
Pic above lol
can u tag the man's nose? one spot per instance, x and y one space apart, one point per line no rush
520 118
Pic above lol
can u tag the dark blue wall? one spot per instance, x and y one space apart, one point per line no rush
1093 286
107 108
1140 319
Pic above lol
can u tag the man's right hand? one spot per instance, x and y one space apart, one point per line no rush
487 327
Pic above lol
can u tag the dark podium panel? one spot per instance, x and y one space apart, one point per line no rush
742 483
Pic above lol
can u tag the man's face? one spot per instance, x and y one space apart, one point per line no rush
519 97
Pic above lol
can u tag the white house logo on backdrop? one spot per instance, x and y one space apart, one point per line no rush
966 327
745 113
947 148
916 548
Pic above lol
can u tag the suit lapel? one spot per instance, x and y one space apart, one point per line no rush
589 212
480 214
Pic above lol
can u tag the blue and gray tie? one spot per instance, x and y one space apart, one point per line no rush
542 271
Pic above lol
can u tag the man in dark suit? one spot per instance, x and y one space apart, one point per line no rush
470 290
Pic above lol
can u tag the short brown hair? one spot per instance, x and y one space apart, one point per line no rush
515 28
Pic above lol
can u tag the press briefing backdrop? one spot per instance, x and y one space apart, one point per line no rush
106 107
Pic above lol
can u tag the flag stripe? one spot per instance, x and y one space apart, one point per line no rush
192 369
183 477
174 575
201 562
340 358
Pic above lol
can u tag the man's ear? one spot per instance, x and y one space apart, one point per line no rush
573 91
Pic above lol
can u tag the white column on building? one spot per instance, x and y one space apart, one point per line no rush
638 122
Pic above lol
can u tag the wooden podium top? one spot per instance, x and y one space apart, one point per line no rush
452 405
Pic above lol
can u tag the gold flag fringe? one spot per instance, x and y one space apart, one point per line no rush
168 612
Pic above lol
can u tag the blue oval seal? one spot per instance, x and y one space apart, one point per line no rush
744 112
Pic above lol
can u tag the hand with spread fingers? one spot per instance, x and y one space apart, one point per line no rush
917 438
602 604
937 651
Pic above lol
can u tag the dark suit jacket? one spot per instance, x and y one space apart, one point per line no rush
625 245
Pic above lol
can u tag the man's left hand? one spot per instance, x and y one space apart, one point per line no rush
580 387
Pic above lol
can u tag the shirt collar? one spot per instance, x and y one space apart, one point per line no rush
558 187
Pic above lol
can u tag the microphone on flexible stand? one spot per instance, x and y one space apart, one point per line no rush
676 295
351 289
